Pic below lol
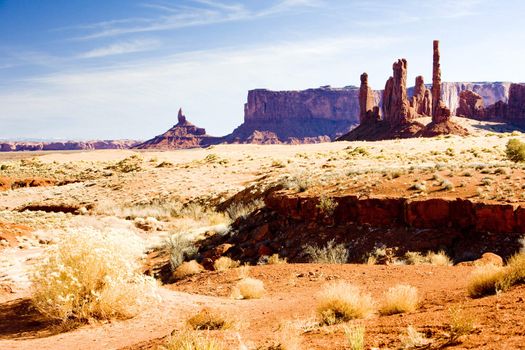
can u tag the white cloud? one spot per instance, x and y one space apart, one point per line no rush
140 100
138 45
205 13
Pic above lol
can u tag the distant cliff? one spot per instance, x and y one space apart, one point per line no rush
306 116
12 146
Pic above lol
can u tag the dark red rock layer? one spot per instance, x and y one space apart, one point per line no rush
463 228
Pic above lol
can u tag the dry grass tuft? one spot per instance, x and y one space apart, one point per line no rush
355 335
485 280
187 268
192 341
461 324
275 259
92 274
330 254
342 302
399 299
208 319
248 288
413 339
225 263
439 259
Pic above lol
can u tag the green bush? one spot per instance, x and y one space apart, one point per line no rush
515 150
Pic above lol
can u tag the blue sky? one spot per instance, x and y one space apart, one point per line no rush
72 69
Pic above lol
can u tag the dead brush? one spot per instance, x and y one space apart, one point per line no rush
225 263
209 319
342 302
192 341
399 299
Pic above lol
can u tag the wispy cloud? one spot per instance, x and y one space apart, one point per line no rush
202 12
210 85
123 47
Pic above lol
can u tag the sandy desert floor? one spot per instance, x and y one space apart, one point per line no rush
158 194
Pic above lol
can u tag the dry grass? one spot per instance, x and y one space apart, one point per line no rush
439 259
92 274
460 324
413 339
208 319
330 254
515 270
225 263
275 259
248 288
399 299
355 336
342 302
187 268
192 341
485 280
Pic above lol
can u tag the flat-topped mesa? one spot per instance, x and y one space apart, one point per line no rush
422 98
368 111
396 108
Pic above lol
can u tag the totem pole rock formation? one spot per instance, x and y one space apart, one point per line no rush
396 108
422 98
440 113
367 109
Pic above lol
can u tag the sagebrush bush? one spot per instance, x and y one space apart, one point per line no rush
208 319
515 150
187 268
192 341
248 288
179 249
330 254
399 299
92 274
342 302
225 263
485 280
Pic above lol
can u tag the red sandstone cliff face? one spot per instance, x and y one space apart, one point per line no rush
516 105
470 105
181 136
13 146
308 116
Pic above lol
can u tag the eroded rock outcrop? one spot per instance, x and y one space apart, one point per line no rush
421 100
368 110
396 108
470 105
516 105
182 135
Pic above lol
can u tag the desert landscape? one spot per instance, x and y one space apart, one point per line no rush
329 218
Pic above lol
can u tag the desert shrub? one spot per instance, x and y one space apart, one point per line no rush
414 258
187 268
460 324
275 259
438 259
399 299
330 254
413 339
242 210
192 341
485 280
355 336
165 164
179 249
129 164
515 150
208 319
514 272
327 206
225 263
92 274
342 302
248 288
